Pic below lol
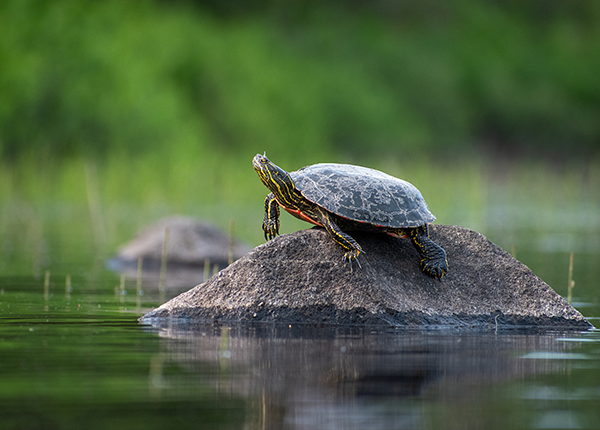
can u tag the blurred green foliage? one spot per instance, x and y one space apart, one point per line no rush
116 113
302 80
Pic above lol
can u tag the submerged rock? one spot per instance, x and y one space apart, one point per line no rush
301 278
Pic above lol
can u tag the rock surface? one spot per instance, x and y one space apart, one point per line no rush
301 278
191 242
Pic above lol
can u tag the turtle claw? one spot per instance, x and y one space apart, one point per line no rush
269 234
351 257
271 229
435 268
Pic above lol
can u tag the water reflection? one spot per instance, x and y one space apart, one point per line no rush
301 377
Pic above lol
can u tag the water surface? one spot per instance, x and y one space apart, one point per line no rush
73 355
80 359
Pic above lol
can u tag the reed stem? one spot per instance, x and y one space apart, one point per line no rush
162 282
206 269
231 241
122 289
68 288
571 282
47 286
138 285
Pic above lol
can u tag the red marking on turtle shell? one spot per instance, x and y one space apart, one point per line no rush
404 236
300 215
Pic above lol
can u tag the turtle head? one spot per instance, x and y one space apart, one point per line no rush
274 177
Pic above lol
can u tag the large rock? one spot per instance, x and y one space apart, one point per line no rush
301 278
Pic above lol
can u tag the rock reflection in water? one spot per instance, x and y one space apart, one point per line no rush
348 377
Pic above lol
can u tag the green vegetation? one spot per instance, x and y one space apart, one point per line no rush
113 113
324 80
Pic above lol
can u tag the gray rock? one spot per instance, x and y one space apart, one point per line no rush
301 278
191 242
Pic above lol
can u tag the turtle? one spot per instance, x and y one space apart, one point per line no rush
344 198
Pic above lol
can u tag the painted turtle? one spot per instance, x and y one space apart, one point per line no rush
344 198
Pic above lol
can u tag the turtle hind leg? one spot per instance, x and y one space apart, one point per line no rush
433 257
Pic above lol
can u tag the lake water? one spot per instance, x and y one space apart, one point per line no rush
73 355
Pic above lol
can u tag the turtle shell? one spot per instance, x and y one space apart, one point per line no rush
363 195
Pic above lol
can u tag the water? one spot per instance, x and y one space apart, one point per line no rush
78 358
73 355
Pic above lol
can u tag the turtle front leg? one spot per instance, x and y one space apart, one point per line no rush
271 221
433 257
343 239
